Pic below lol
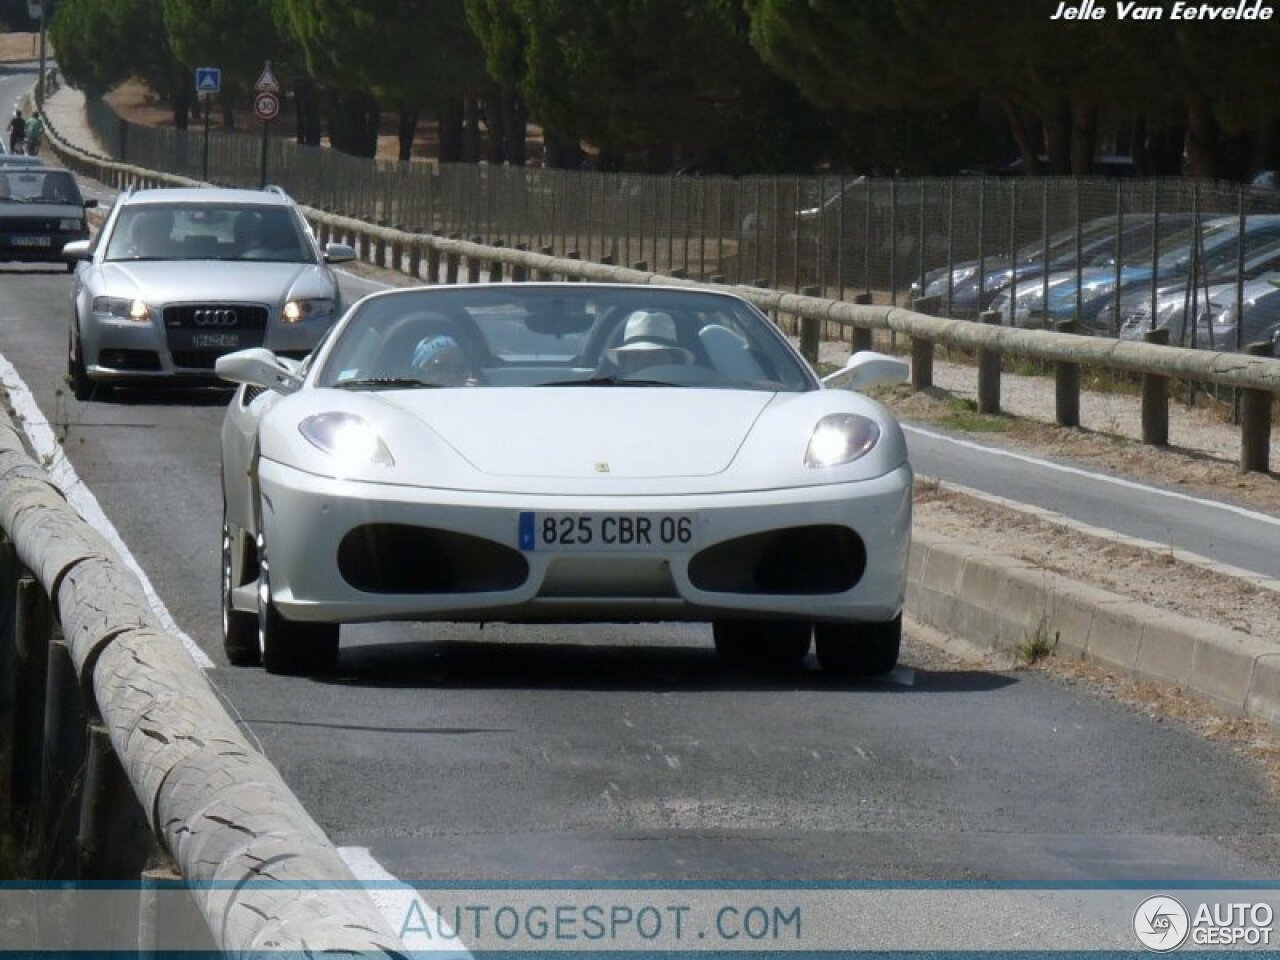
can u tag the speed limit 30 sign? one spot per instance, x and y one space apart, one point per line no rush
266 105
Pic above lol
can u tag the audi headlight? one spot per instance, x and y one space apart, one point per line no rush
350 439
70 224
296 311
121 308
840 438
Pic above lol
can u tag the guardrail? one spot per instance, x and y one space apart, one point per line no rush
443 259
116 734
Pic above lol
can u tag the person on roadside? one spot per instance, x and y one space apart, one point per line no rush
17 131
35 131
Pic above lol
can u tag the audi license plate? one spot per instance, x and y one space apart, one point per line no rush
229 340
631 532
31 241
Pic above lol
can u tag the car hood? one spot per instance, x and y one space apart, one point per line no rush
556 441
240 281
577 432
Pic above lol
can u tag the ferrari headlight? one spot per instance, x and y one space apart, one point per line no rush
295 311
840 438
121 308
350 439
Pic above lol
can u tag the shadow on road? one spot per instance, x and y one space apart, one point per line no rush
189 396
608 667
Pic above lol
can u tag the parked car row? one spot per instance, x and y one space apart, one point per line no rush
1104 280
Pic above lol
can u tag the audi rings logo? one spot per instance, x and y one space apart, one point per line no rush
1161 923
215 318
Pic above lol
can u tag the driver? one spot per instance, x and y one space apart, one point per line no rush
648 340
440 359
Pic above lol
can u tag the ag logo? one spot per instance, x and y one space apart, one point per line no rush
1161 923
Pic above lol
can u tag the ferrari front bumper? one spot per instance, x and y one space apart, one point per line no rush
306 520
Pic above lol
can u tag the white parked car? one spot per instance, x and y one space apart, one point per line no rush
563 452
179 277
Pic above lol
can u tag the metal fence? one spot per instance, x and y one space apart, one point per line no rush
1119 253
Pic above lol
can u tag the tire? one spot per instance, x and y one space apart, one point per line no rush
762 643
239 629
290 647
859 649
81 385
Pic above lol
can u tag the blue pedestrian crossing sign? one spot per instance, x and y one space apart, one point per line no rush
208 79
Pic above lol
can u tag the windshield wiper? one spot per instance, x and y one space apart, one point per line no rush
390 383
610 382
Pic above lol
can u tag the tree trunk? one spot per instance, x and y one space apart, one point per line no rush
1084 132
1141 155
1022 137
470 130
561 152
1057 135
353 122
1204 141
407 130
449 121
306 108
495 121
515 122
181 107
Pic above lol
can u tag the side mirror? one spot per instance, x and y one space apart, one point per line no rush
338 253
258 367
866 368
91 203
76 250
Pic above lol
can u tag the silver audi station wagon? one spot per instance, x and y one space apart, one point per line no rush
179 277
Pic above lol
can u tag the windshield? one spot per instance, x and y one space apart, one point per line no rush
208 232
19 185
589 336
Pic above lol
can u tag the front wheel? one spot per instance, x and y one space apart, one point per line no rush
290 647
859 649
239 629
81 385
769 643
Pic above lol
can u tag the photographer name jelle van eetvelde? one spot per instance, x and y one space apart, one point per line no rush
1181 10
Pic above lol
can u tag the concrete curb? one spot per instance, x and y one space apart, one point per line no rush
998 603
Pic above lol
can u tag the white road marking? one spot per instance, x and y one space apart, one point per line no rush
50 454
396 900
1101 477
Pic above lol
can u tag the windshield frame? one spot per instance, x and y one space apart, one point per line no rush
589 341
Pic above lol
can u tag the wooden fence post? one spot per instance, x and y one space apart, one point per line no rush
1155 398
63 761
452 261
519 272
433 264
922 349
1066 385
415 255
1255 420
861 338
989 371
810 330
114 836
32 623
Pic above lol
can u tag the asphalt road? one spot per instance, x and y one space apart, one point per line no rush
603 752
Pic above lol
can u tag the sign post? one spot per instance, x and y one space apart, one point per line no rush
208 82
266 104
